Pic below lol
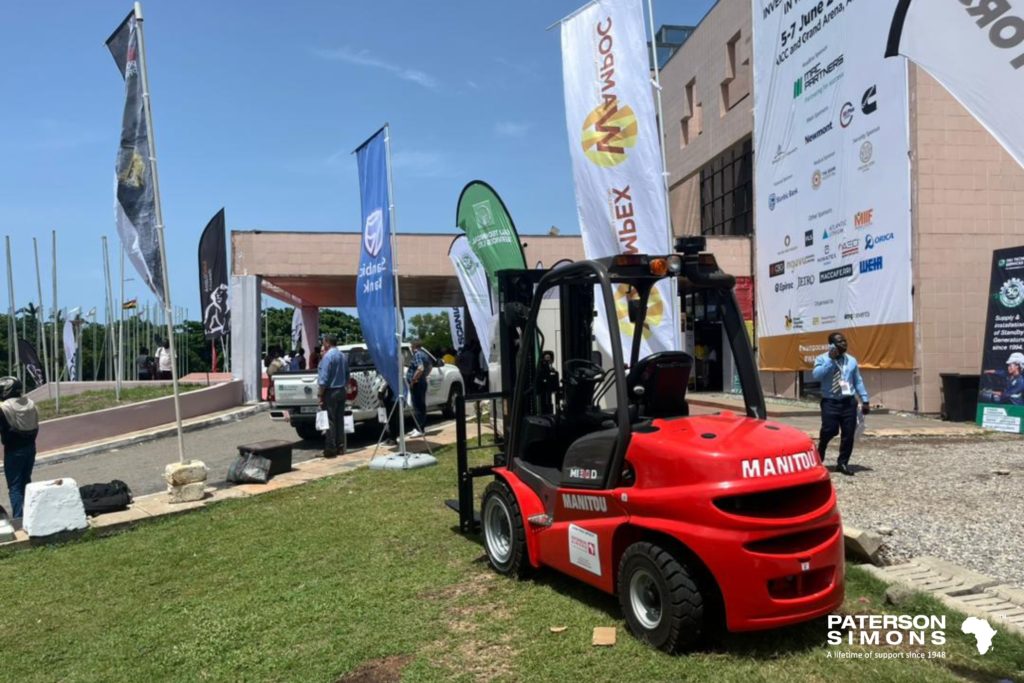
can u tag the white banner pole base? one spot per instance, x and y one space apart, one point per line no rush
402 461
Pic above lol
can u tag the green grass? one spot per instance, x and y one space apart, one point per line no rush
314 582
89 401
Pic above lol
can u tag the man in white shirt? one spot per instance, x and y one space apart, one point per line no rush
163 361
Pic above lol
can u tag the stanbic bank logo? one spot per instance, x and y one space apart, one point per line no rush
611 127
373 233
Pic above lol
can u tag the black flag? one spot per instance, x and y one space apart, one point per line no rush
29 358
136 204
213 278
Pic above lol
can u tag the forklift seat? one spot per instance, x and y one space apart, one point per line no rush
657 384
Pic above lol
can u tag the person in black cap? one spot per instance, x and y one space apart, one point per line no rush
19 426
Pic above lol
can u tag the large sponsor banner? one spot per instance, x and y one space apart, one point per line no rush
1001 391
616 158
487 223
476 290
975 49
135 206
213 279
375 284
832 183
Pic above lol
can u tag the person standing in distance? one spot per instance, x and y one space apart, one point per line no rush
332 378
841 385
416 375
163 361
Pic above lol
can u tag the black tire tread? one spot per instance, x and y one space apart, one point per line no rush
449 405
519 567
686 615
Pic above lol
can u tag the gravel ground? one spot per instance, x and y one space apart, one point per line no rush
941 497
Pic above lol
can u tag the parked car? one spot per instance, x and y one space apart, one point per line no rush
295 393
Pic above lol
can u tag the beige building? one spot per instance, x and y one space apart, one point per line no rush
967 199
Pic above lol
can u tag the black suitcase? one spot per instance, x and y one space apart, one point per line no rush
277 451
101 498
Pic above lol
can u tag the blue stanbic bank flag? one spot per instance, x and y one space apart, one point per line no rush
375 284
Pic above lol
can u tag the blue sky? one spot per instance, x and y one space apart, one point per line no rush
257 105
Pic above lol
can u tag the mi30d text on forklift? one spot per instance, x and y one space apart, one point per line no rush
693 521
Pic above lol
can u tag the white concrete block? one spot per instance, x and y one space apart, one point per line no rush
6 531
52 507
187 493
188 472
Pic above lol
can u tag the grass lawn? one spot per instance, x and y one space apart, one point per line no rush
363 577
88 401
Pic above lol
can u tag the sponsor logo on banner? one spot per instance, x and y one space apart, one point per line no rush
820 175
776 199
1011 294
818 114
864 219
867 102
798 87
827 257
607 132
850 247
373 235
804 281
857 316
838 228
792 323
808 238
776 269
817 72
827 128
872 241
802 261
835 273
783 286
846 114
781 154
871 265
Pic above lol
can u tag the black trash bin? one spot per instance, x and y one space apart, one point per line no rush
959 396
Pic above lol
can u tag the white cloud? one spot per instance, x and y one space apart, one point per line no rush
421 163
364 58
512 129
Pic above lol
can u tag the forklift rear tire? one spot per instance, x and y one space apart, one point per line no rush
504 531
307 431
661 601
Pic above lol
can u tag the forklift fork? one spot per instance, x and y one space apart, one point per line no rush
469 520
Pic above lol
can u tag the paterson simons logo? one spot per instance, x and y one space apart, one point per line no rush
610 128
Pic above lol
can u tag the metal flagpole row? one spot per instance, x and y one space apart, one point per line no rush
42 311
119 366
159 224
12 340
56 324
110 312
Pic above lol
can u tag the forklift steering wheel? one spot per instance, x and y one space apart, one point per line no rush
585 370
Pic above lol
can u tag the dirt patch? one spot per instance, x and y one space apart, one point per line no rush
386 670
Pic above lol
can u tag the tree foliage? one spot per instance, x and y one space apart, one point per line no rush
433 329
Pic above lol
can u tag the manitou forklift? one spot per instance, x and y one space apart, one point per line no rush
694 521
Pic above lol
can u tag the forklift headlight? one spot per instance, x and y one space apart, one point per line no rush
659 267
675 264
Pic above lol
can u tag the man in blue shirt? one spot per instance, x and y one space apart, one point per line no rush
841 385
332 379
1013 392
416 375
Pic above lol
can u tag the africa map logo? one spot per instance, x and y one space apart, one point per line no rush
607 133
655 310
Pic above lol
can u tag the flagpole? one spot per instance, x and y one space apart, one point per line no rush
42 310
56 324
13 339
147 106
673 283
398 302
119 364
110 311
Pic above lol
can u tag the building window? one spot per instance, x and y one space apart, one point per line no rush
736 85
727 192
692 124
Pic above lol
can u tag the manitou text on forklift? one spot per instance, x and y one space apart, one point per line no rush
696 522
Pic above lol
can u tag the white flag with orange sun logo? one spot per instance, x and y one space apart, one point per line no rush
616 158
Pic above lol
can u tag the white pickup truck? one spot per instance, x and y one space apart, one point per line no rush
295 393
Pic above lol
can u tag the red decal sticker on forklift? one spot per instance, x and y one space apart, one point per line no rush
572 501
782 464
583 549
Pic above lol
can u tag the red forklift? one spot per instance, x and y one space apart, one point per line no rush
693 521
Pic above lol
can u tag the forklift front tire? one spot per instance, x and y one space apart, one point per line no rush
504 531
662 603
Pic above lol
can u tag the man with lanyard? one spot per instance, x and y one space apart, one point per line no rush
332 378
416 375
1013 392
841 384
